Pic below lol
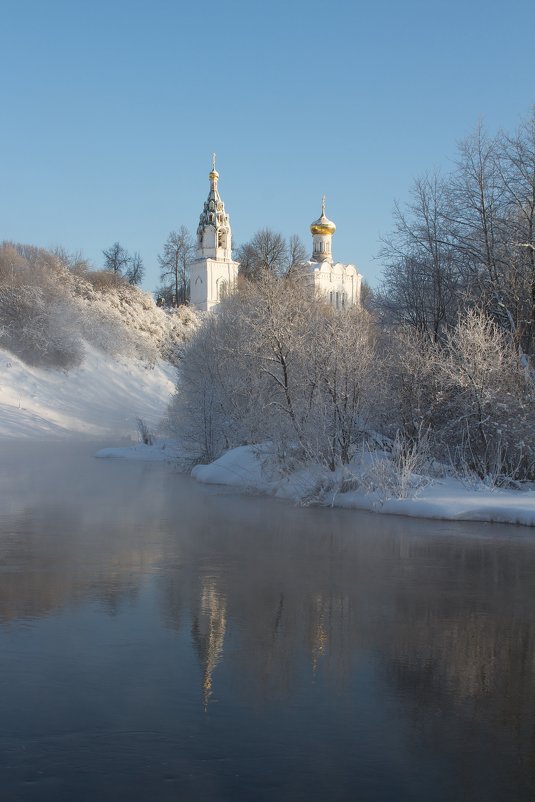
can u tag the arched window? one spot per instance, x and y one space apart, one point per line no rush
220 289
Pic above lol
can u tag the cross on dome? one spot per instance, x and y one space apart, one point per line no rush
213 175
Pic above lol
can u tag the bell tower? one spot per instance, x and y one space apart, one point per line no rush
213 273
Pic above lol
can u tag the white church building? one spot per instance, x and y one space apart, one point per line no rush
337 282
213 273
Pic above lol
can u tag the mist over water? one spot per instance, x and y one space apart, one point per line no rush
164 640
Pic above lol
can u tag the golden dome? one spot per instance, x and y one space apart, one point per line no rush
213 175
323 225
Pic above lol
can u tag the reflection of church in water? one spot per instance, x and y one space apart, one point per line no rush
208 630
214 273
275 635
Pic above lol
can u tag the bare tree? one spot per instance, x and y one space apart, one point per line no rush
267 252
116 259
136 270
177 253
480 228
516 162
422 281
297 255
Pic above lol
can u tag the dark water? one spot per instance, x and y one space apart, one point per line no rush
160 640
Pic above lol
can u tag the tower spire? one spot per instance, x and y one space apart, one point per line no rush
323 205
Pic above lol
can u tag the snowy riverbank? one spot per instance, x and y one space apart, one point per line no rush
248 468
105 397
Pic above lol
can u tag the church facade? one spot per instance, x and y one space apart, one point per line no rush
214 274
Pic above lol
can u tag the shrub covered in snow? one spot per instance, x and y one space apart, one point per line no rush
50 304
470 393
277 364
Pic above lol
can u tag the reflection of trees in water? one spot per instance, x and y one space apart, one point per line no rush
54 559
462 647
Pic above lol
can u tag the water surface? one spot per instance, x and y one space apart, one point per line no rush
163 640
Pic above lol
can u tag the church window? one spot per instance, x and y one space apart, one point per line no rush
337 300
221 286
331 297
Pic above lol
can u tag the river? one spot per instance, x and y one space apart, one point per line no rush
164 640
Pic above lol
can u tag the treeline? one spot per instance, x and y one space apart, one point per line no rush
467 239
53 305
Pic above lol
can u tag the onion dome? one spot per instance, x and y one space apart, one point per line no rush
323 225
213 175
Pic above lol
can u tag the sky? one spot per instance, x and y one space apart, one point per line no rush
110 112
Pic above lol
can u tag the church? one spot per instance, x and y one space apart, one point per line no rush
214 273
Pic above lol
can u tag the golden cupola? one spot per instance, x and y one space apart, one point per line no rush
323 225
322 234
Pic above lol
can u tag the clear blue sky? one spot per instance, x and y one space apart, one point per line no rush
110 111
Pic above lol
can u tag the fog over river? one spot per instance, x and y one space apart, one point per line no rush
165 640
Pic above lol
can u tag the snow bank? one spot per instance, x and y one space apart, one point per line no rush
446 499
103 396
239 467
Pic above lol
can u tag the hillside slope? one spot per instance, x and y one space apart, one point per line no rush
104 395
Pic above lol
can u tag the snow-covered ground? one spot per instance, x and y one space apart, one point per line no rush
104 396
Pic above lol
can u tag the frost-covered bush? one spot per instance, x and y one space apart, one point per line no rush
37 313
470 392
50 304
277 364
489 408
401 471
119 318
